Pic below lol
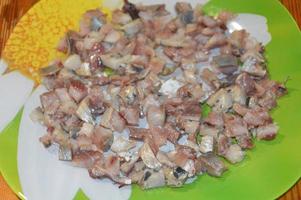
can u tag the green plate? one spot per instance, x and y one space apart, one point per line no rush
269 170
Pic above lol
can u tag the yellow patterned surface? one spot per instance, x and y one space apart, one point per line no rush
33 42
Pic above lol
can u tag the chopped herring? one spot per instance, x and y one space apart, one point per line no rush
126 103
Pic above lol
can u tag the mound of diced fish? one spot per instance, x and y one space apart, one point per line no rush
145 64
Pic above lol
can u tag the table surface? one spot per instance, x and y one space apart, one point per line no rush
12 10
